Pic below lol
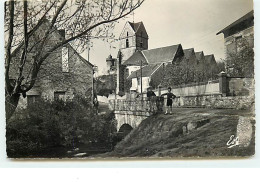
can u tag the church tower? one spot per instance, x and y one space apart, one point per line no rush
133 38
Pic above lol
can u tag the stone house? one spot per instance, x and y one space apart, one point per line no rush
63 74
243 28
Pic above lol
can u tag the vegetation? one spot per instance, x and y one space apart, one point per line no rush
186 71
241 63
82 21
46 129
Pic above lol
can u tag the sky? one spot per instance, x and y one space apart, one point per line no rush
191 23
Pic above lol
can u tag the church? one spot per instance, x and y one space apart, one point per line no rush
137 65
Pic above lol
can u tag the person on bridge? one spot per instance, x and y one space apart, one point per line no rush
150 93
170 97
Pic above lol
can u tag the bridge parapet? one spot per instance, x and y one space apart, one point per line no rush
132 112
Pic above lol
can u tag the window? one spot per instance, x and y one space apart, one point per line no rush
65 59
31 99
127 34
59 96
141 43
127 43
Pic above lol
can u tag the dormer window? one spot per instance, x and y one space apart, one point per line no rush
127 43
65 59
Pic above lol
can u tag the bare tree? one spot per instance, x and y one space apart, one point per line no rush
82 20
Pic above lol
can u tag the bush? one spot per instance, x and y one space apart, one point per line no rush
47 125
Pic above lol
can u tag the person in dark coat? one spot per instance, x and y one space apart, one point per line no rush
150 93
170 97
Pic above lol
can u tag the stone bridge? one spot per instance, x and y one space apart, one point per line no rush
132 112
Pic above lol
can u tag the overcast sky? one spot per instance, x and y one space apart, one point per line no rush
192 23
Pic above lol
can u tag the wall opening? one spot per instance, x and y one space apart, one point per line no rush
124 130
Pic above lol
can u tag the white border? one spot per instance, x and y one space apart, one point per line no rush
235 163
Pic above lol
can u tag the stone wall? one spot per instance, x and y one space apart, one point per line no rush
215 101
240 86
194 89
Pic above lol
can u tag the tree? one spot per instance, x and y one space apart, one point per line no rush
241 62
82 21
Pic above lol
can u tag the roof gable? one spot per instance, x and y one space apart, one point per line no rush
127 28
55 35
199 55
189 53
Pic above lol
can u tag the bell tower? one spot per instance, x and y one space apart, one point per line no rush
133 37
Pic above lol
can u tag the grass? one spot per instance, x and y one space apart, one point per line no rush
162 136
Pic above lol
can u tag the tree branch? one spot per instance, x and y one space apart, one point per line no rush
8 47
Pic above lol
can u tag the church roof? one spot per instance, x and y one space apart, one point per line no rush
154 56
147 71
135 59
162 54
135 26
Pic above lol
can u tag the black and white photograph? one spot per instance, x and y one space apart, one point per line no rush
129 79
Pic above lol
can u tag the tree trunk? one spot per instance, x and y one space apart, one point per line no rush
11 103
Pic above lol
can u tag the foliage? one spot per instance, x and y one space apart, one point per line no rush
47 125
187 71
241 63
105 92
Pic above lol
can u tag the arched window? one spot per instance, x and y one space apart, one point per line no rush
127 34
127 43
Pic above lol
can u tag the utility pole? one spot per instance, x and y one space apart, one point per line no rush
88 54
141 81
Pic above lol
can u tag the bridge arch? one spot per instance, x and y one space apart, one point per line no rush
124 130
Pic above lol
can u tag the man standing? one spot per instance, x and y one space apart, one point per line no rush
150 93
170 97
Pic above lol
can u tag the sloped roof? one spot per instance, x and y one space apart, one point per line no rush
59 33
147 71
135 26
135 59
243 18
188 53
199 55
210 58
162 54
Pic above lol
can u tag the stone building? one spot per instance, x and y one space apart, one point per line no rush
63 75
133 38
243 28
